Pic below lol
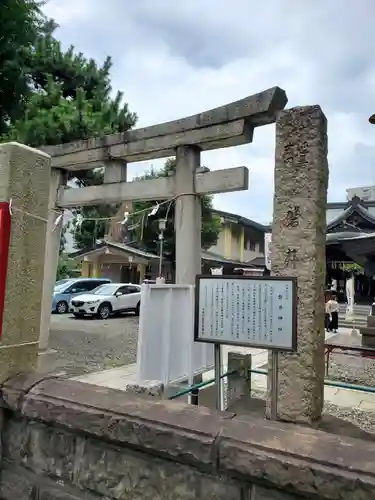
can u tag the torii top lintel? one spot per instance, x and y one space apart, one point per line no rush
228 125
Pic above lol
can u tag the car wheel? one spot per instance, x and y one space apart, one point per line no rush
61 307
104 311
137 309
78 315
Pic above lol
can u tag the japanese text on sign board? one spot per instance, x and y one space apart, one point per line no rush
246 312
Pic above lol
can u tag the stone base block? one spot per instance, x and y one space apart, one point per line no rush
368 336
371 321
151 388
16 359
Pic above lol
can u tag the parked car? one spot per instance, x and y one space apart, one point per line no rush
106 300
66 290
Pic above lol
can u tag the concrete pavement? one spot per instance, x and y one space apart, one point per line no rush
118 378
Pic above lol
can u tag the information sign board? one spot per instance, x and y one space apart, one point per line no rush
246 311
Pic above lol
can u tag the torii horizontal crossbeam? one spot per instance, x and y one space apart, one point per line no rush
163 188
228 125
218 136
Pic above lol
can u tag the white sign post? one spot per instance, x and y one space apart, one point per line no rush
267 250
166 351
258 312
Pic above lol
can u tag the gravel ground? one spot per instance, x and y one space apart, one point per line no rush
350 422
89 345
352 368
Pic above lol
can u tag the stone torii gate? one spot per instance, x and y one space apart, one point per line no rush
299 221
229 125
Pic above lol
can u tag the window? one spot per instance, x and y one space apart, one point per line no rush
129 289
62 282
249 244
88 286
99 283
107 289
85 286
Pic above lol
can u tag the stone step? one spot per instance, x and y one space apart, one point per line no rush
357 307
349 324
356 316
358 311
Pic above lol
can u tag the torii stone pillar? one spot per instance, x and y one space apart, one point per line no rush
188 217
298 249
24 178
115 171
53 237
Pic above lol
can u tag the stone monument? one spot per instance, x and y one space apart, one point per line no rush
24 179
298 249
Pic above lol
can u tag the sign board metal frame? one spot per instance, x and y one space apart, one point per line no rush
291 280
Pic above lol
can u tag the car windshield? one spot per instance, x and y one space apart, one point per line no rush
63 285
105 290
61 282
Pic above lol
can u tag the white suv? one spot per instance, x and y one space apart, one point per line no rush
106 300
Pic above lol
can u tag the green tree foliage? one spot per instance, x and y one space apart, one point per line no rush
91 229
147 230
64 97
20 25
63 240
66 268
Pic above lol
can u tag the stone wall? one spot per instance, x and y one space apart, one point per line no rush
64 440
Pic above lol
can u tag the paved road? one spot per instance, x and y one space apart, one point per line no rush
78 346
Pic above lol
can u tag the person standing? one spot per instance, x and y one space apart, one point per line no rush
327 317
332 307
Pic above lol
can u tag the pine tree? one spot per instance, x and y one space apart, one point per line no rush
20 25
62 97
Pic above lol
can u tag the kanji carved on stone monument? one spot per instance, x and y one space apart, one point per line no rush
291 258
292 216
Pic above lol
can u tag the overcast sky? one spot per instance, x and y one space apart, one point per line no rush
175 58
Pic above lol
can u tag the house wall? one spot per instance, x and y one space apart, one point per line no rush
237 242
253 244
111 271
110 266
220 247
230 242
